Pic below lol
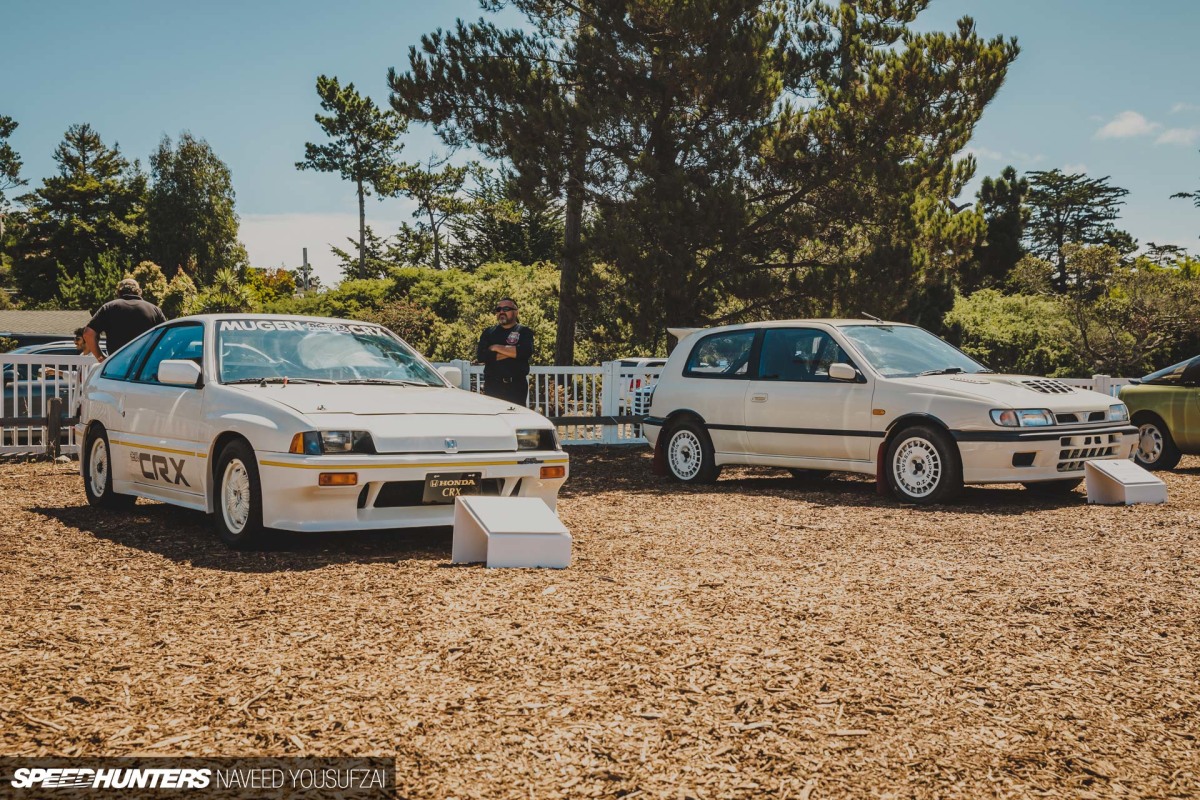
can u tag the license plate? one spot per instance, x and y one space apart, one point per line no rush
443 487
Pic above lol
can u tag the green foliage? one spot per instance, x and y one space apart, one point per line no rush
1068 209
375 262
190 210
1193 196
10 167
227 294
1002 201
94 205
1021 333
7 344
411 322
502 224
150 277
266 286
436 187
350 300
363 147
463 303
179 300
95 284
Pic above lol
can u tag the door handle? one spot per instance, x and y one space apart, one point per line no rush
758 398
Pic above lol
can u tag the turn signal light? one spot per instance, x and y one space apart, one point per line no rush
554 472
338 479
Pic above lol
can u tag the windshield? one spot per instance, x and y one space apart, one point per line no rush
901 351
1185 372
252 350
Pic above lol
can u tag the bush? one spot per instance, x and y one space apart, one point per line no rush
1025 334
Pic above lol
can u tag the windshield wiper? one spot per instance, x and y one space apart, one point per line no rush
278 379
383 382
943 371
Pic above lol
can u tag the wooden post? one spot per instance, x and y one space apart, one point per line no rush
54 408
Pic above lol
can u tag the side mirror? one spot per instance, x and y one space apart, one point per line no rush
452 374
179 372
842 372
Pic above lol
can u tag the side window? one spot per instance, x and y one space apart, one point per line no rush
181 341
1191 375
799 354
721 355
117 368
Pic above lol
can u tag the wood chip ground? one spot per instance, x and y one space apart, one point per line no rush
759 637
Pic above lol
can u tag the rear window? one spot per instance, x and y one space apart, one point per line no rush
721 355
1185 373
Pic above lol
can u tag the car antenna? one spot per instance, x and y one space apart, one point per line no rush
870 316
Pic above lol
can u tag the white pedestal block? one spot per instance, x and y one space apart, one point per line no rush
1122 482
509 532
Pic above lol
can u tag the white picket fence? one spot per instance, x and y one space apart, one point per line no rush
591 405
29 383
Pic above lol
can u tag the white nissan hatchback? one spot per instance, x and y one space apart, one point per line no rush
301 424
882 399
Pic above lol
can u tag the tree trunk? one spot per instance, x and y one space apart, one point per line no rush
362 231
568 313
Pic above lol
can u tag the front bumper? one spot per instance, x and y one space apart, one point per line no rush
1028 456
293 500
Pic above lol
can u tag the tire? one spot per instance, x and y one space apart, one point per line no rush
689 454
237 497
97 473
809 475
1156 448
923 466
1054 488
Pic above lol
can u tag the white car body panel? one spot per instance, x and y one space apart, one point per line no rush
165 438
843 426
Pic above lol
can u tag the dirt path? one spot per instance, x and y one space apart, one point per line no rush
754 638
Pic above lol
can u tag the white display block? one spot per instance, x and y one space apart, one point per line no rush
1122 482
509 532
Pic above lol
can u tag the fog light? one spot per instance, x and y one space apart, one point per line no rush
338 479
554 472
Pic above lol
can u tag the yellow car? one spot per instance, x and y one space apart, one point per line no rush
1165 405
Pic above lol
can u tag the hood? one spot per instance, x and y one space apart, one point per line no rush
1014 391
408 419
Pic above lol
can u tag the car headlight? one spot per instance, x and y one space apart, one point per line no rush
536 439
1022 417
315 443
1118 413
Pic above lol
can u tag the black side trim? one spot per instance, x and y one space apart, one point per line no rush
801 431
1038 436
655 421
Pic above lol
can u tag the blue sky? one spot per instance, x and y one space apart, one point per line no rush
1105 87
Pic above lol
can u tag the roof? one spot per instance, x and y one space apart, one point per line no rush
53 323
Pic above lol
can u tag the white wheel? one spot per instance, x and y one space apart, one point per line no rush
689 454
235 496
923 466
918 467
238 497
97 473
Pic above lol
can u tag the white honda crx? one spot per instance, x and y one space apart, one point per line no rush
301 424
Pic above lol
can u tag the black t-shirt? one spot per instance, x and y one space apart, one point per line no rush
124 319
494 367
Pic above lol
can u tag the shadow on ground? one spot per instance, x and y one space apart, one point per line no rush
186 536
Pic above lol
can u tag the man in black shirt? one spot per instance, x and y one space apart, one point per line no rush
504 350
121 320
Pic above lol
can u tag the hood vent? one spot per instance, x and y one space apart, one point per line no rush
1046 386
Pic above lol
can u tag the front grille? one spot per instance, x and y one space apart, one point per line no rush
1047 386
399 494
1077 450
1082 416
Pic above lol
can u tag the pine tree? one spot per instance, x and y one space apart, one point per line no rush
363 147
190 212
1067 209
10 167
1002 201
94 205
